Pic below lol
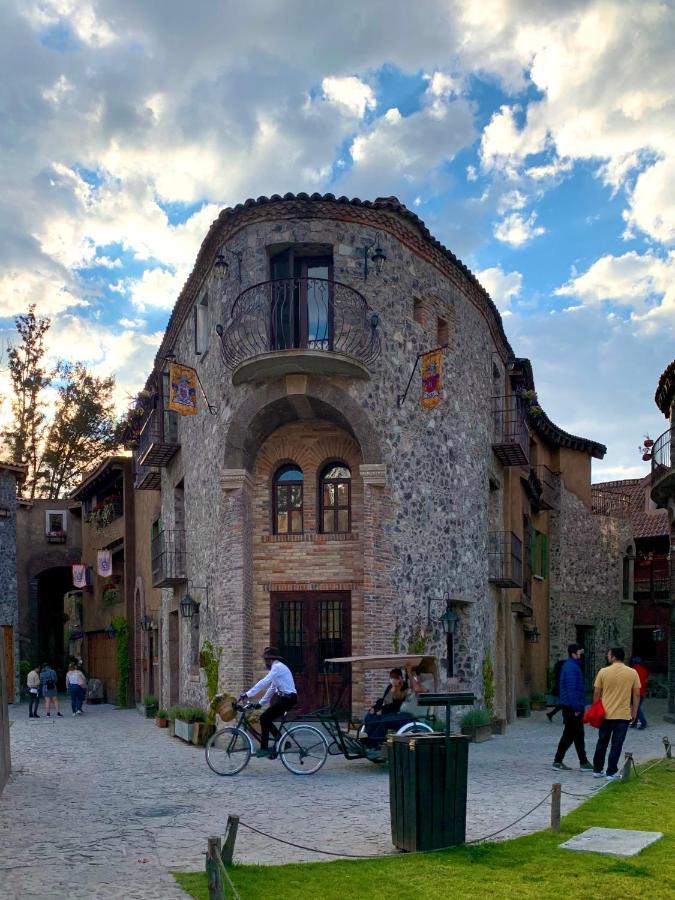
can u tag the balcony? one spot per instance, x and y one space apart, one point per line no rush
505 559
663 468
167 553
511 441
610 503
548 481
656 590
146 478
158 440
309 326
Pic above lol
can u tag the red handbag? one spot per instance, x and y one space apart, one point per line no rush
595 714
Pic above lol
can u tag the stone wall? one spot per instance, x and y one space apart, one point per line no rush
5 757
586 564
9 608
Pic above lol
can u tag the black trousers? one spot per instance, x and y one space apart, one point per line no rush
33 703
573 733
275 710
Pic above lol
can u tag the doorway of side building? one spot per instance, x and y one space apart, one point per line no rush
52 584
174 659
308 628
585 637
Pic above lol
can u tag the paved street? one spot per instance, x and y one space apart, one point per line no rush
104 805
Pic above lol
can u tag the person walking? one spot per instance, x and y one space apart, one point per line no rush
33 685
77 688
572 695
280 693
557 706
48 689
643 675
618 686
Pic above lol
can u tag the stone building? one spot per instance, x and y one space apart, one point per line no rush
663 495
315 508
11 474
49 541
116 519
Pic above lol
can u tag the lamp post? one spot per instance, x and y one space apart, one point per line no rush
188 607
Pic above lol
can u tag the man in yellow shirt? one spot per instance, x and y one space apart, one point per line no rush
618 686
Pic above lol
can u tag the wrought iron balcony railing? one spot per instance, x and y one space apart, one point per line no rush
158 440
511 440
548 481
610 503
505 557
167 553
288 315
655 589
663 467
146 478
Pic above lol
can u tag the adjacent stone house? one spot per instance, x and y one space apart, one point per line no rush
663 495
11 474
314 504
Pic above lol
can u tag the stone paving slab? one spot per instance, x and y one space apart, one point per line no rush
104 805
612 841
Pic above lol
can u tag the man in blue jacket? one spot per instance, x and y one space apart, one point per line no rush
573 702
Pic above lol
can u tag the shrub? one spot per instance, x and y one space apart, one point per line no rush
537 697
475 717
149 701
488 684
189 714
162 714
523 703
209 661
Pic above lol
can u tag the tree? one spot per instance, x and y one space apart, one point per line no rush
24 438
83 430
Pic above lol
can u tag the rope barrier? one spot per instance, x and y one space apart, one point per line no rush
379 855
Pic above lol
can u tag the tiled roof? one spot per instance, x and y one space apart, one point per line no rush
645 523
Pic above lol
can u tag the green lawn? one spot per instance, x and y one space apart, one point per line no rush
531 866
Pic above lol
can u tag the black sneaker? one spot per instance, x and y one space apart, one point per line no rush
60 715
561 767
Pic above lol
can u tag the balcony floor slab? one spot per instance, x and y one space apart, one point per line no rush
278 363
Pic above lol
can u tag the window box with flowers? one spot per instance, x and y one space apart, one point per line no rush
111 594
106 512
56 537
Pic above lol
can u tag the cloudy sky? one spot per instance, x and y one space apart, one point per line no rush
536 140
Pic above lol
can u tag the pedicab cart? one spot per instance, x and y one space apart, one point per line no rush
349 741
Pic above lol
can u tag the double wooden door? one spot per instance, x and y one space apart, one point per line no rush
308 628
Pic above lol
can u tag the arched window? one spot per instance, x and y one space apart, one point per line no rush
336 499
287 500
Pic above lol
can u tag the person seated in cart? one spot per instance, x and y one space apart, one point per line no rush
386 713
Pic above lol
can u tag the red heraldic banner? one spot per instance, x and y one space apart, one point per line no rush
432 379
182 389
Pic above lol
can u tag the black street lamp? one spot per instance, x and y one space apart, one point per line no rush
188 607
449 621
378 257
532 635
146 623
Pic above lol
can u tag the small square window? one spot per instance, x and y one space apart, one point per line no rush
55 521
418 312
441 332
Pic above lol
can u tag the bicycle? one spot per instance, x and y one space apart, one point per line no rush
302 748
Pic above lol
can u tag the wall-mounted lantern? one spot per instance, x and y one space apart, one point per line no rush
372 250
532 635
188 607
658 633
221 265
110 631
146 623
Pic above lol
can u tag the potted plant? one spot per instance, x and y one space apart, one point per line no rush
186 719
523 707
162 718
498 724
537 700
150 703
477 725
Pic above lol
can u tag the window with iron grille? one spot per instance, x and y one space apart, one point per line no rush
290 633
330 633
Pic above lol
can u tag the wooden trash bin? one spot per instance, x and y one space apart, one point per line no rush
427 790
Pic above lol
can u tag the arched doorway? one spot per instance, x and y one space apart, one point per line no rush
52 644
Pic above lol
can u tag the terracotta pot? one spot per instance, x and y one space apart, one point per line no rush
161 722
538 705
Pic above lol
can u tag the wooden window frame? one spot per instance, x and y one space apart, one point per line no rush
335 509
276 484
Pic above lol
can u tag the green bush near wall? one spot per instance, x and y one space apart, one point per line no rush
119 623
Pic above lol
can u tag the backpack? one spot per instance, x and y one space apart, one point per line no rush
50 684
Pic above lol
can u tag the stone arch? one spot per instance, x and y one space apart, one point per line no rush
272 406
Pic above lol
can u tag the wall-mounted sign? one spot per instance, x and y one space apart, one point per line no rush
182 389
432 379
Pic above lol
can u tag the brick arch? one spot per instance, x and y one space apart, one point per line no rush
271 406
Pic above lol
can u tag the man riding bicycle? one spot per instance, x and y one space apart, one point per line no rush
280 693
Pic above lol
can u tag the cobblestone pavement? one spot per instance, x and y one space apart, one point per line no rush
104 805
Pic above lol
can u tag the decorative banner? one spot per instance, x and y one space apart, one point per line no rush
432 379
79 576
104 563
182 389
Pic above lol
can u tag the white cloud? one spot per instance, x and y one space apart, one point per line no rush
516 229
502 286
652 204
49 293
350 93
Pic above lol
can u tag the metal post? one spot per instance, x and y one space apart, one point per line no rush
555 806
625 771
667 747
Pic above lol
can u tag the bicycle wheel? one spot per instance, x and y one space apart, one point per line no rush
415 728
228 750
303 749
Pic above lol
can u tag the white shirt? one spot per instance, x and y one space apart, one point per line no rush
76 677
278 680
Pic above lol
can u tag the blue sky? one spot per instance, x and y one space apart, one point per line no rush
535 140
